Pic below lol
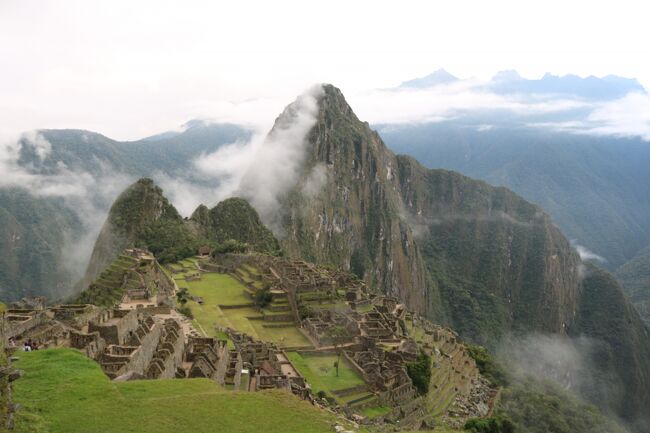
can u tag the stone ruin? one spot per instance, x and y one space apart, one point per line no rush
373 334
373 337
267 366
129 341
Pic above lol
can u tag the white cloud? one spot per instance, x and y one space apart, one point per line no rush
260 170
88 195
276 164
628 116
130 69
449 101
586 254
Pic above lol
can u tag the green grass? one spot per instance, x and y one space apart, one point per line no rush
321 374
352 397
286 337
189 263
374 412
222 289
181 283
250 269
62 391
217 288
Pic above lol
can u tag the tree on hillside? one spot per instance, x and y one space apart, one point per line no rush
336 333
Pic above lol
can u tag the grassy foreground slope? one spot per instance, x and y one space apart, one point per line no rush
63 391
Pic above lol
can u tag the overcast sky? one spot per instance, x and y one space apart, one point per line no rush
128 69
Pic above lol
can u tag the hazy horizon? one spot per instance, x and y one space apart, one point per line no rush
133 70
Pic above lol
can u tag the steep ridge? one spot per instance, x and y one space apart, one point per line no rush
635 279
621 349
141 216
40 229
234 218
594 187
461 252
418 233
351 217
477 257
500 263
34 232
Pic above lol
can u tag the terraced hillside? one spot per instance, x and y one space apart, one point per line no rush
133 270
218 301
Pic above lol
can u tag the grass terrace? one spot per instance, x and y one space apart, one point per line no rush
374 412
62 391
320 373
219 290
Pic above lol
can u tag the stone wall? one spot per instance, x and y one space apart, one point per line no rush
115 326
169 352
17 322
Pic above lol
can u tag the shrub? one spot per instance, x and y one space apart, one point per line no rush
305 311
182 295
420 372
497 424
263 298
186 311
231 246
487 365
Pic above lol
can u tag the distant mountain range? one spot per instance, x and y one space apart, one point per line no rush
39 233
595 186
510 82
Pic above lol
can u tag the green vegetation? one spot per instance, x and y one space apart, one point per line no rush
263 298
186 311
496 424
374 412
541 407
169 240
231 246
487 365
33 233
420 372
635 279
65 392
221 289
109 287
320 372
235 226
148 220
622 351
5 391
593 191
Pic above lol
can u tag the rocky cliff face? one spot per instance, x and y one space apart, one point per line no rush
635 279
474 256
463 252
499 261
620 349
345 208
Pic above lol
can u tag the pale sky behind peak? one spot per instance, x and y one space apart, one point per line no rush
128 69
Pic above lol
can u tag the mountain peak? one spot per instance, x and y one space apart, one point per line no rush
591 87
507 75
440 76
